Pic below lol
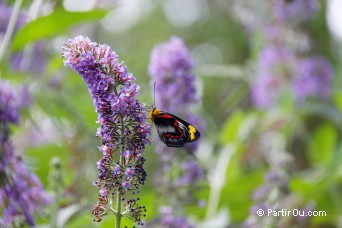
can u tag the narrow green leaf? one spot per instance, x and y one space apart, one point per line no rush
231 127
51 25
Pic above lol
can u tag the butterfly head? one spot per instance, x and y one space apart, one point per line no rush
154 113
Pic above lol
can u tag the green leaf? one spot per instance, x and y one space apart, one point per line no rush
41 156
235 168
51 25
336 161
231 127
304 186
323 144
337 98
237 194
320 195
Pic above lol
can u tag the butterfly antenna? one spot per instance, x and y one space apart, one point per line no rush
154 94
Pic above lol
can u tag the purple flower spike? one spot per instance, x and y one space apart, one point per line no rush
274 65
314 79
9 107
170 222
21 193
170 67
295 11
124 130
265 90
192 173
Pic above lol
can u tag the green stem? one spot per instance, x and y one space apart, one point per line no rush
118 205
10 28
218 180
121 163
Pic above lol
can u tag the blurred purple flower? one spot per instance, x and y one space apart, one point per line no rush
25 96
295 11
313 79
275 188
265 90
21 192
261 193
274 68
275 59
167 220
124 129
9 106
164 154
175 222
24 195
32 59
170 67
192 173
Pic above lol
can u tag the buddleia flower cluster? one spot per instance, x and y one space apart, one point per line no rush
21 193
171 68
124 131
285 64
279 69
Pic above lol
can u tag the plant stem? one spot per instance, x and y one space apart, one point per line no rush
121 162
10 28
118 204
218 179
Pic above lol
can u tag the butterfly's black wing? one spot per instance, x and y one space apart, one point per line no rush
173 131
193 132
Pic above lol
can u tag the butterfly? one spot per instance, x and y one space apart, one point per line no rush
172 130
